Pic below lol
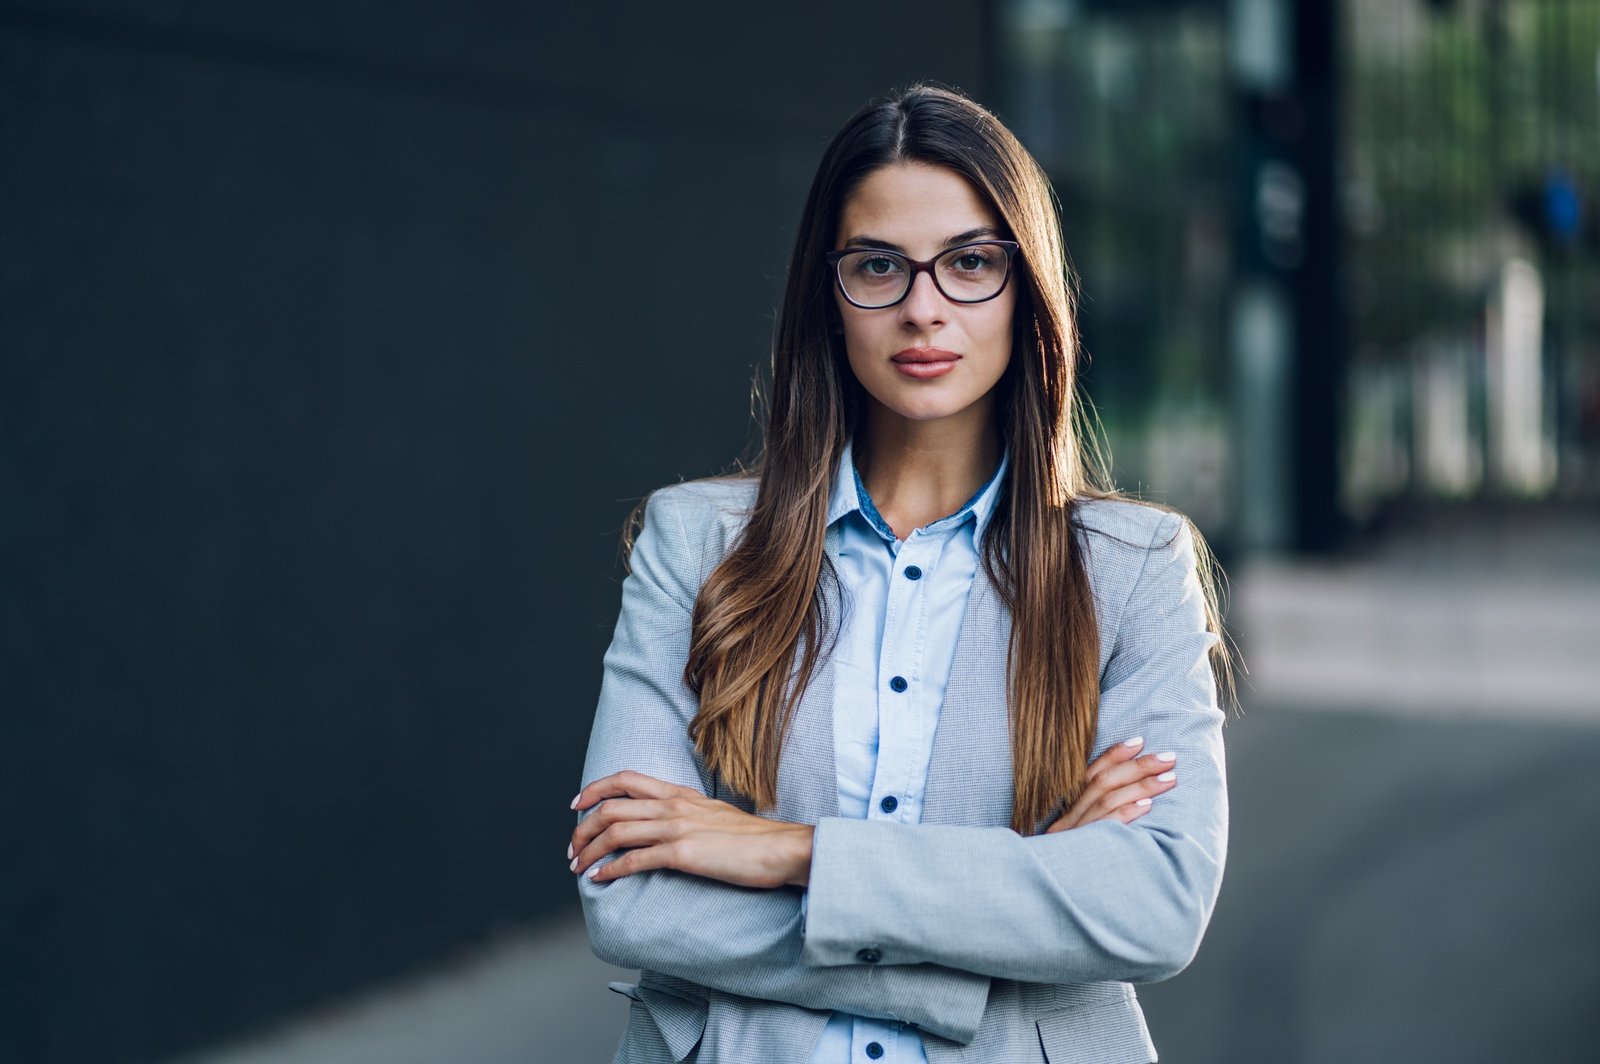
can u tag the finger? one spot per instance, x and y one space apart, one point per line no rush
1134 810
1115 755
661 855
617 809
1121 775
626 784
1134 793
626 835
1068 819
1097 801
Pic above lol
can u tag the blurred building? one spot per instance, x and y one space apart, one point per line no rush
1470 177
1337 255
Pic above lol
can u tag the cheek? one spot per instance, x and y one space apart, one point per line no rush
999 332
857 336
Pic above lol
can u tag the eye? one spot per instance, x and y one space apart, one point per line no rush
877 265
973 260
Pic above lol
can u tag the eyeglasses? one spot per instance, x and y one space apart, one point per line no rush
873 278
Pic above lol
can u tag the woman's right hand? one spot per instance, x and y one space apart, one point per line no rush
1121 785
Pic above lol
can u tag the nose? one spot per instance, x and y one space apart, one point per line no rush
924 304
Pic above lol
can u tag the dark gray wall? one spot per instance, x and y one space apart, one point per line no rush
335 342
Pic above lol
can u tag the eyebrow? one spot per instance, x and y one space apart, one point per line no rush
959 238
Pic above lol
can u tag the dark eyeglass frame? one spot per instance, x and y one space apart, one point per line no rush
835 257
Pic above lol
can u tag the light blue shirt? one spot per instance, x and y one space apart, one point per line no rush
903 603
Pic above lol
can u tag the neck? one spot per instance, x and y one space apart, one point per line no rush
920 471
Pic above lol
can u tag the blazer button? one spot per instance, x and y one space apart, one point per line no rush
868 955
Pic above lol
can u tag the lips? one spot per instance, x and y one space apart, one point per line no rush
925 363
915 355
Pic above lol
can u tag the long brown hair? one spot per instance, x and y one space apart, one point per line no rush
768 602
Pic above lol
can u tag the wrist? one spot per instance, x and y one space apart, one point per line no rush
800 857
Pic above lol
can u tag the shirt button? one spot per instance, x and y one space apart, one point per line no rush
868 955
889 804
913 573
897 683
874 1050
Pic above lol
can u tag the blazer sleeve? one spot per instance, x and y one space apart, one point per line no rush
739 940
1108 901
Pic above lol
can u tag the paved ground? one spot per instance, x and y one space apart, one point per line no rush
1415 868
1399 890
540 998
1495 619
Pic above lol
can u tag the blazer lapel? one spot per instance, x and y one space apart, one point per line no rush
969 778
808 786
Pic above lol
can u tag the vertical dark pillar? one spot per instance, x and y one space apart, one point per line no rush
1322 349
1288 336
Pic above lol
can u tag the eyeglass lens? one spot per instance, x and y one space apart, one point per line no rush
967 274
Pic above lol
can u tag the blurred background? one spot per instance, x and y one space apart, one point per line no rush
337 339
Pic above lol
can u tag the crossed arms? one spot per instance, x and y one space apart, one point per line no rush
945 908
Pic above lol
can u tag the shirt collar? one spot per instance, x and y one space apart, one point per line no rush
850 494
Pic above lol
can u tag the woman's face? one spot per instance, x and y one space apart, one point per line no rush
921 210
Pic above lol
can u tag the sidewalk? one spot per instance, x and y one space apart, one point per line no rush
1499 619
538 998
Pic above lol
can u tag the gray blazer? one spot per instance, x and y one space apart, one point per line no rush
995 946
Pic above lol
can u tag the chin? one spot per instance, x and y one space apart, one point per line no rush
924 408
936 414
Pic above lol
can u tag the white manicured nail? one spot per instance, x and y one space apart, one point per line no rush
573 867
1167 777
1137 740
1142 801
1168 756
592 872
569 851
575 798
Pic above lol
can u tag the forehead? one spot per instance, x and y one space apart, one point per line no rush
914 205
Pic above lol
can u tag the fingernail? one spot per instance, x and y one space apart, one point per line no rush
1168 756
569 851
573 867
1167 777
1142 801
575 798
1137 740
592 872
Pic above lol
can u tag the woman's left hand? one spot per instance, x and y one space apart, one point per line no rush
662 825
1120 786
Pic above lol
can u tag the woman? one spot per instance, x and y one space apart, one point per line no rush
868 779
